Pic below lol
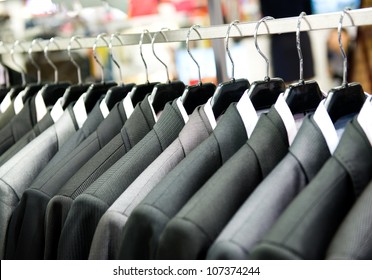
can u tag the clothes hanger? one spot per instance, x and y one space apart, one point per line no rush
199 94
162 93
349 97
4 89
303 96
73 92
230 91
264 94
119 92
97 90
17 88
139 92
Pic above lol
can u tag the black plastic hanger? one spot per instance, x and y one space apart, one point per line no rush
199 94
163 93
304 96
349 97
264 94
231 91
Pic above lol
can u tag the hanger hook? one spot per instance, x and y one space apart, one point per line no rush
153 49
145 31
298 44
234 23
78 69
6 71
116 35
46 50
23 74
344 56
194 27
267 78
30 50
100 36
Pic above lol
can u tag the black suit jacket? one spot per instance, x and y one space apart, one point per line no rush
306 227
25 221
135 128
190 233
255 217
353 239
87 209
145 224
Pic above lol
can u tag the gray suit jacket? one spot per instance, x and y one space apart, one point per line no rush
145 224
190 233
88 208
107 236
18 173
260 211
306 227
353 239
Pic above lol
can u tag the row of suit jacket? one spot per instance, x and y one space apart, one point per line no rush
134 183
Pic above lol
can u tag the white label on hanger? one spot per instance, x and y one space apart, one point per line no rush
150 98
80 111
57 110
365 118
247 113
128 105
209 112
285 113
325 124
104 109
18 101
6 101
182 109
41 109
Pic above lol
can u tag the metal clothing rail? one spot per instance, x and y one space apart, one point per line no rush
360 17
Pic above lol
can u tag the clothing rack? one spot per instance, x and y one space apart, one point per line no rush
360 17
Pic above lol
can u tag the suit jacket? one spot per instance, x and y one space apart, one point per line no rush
18 173
88 208
135 128
353 239
107 236
306 227
19 125
25 221
260 211
142 230
190 233
6 116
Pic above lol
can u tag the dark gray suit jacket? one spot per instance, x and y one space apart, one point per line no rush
135 128
147 221
353 239
108 234
18 173
190 233
306 227
255 217
88 208
26 221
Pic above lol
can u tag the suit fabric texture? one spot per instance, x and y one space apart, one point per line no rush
17 174
135 128
315 214
26 221
88 208
191 232
145 224
107 236
260 211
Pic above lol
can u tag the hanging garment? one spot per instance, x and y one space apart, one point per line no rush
18 173
353 239
143 228
25 221
306 156
135 128
88 208
105 244
7 115
306 227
